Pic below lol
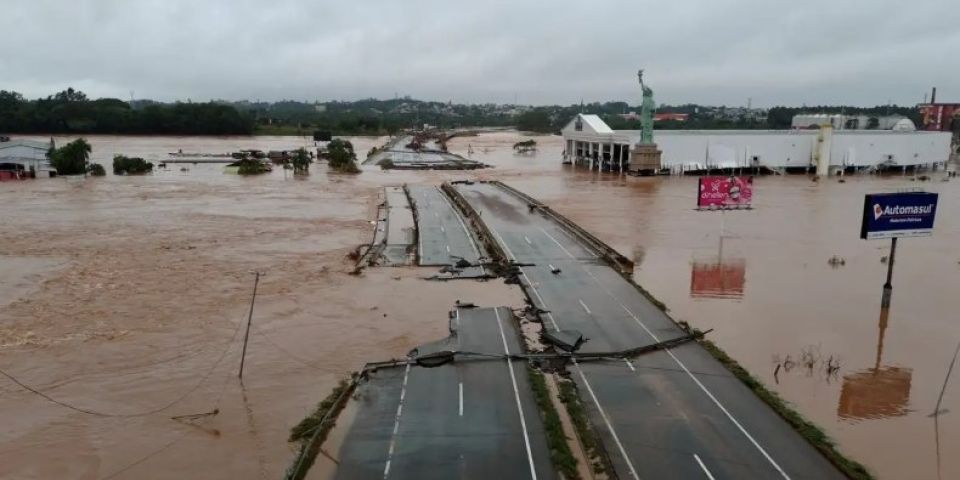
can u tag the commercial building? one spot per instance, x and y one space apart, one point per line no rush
25 157
589 141
852 122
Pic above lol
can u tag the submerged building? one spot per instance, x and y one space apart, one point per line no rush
26 157
589 141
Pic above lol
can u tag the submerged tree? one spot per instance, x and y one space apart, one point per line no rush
96 170
123 165
301 161
341 156
72 158
250 166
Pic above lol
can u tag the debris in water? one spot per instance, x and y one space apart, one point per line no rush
837 261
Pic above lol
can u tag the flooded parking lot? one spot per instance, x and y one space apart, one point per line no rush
123 294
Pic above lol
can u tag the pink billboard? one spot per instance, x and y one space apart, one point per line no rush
725 192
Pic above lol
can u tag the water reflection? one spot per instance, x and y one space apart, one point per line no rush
723 278
876 392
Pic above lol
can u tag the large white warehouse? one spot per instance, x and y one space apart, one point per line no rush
590 141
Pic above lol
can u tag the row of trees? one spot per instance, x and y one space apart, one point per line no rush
74 159
70 111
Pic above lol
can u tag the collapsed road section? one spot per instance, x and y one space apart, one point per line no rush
419 222
407 153
674 413
459 419
394 237
644 399
442 235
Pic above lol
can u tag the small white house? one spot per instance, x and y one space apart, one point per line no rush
26 155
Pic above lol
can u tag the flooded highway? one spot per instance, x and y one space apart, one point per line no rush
122 294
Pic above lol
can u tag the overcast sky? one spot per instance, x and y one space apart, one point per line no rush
709 51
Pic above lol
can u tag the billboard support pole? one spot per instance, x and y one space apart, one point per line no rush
888 287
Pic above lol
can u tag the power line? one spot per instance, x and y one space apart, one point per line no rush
128 415
286 352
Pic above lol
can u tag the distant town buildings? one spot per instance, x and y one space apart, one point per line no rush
839 121
677 117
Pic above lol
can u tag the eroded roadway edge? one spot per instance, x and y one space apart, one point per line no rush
466 419
671 414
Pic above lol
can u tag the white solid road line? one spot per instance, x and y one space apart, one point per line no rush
677 360
704 467
461 399
606 420
516 395
543 304
584 305
682 366
396 422
561 246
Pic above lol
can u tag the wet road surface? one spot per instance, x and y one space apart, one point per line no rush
442 235
465 419
669 414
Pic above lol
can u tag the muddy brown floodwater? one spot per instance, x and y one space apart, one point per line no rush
126 296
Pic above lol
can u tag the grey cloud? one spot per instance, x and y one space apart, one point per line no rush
709 51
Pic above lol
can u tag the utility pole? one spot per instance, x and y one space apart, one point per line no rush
246 336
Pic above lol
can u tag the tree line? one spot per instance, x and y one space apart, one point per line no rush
70 111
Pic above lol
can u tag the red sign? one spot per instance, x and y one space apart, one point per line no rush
725 192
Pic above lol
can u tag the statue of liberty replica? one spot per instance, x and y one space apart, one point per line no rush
645 157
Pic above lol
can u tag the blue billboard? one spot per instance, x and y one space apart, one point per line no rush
889 215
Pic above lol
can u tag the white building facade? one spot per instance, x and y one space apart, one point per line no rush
26 155
590 142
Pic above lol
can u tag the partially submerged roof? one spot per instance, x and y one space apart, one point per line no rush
24 150
587 123
25 143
